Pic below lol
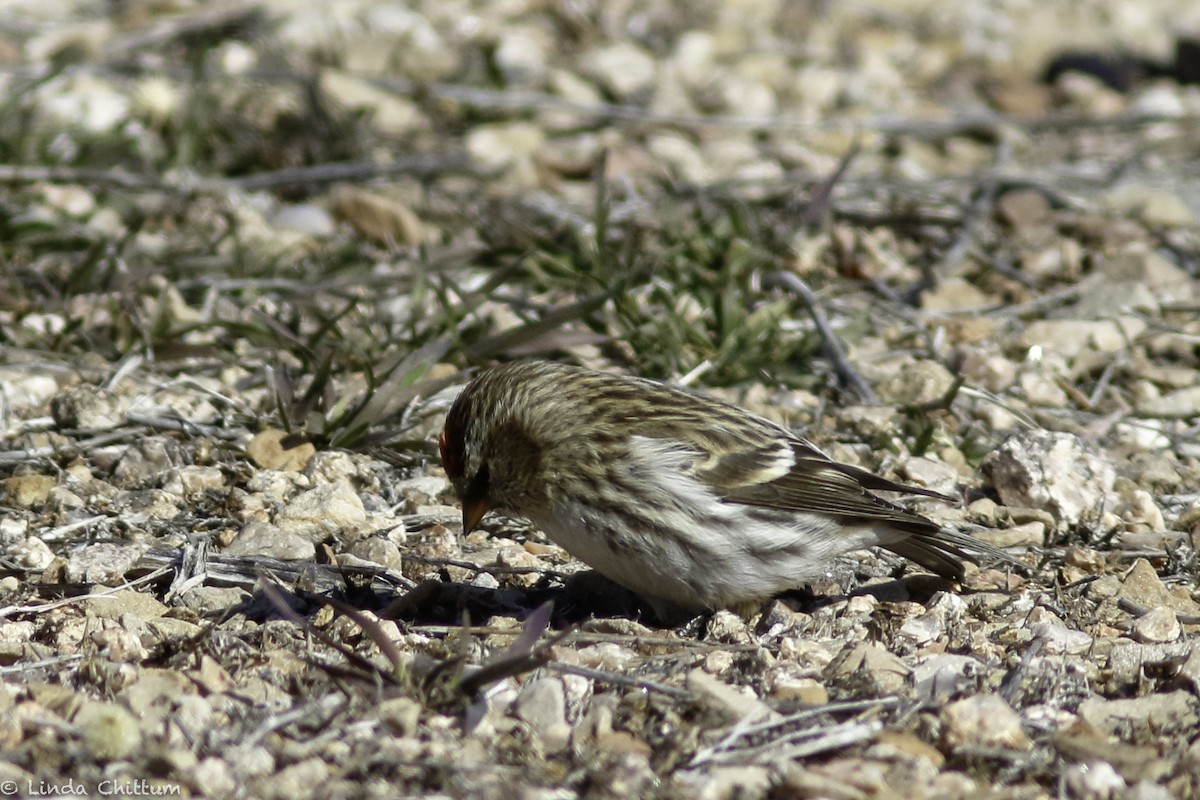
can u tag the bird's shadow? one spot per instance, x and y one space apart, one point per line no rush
588 595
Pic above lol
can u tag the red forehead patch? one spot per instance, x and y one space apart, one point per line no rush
450 444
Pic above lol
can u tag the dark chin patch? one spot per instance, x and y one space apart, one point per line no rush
480 486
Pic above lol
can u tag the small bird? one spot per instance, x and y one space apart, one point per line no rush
693 503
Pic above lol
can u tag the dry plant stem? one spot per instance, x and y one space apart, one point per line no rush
298 176
1139 610
223 570
819 203
833 348
781 745
617 679
41 608
976 210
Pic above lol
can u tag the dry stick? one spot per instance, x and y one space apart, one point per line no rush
63 531
985 122
489 569
1139 610
617 679
729 749
963 123
24 667
593 637
332 703
321 173
819 202
182 425
193 570
833 348
9 611
244 571
975 212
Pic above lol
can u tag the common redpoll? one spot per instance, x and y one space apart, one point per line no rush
674 495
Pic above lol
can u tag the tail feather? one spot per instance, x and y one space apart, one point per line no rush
945 551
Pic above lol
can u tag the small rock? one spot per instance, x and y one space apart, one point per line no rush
88 408
871 664
304 218
1020 208
1190 669
798 689
104 563
1154 206
1179 404
733 703
29 491
139 605
1085 558
138 506
507 146
378 217
1139 512
192 480
332 466
734 782
109 731
717 662
923 628
984 720
1052 471
1057 639
1071 337
542 703
1157 625
1095 780
623 68
944 675
402 715
62 499
682 158
25 388
1148 790
297 781
321 511
922 381
391 113
1161 714
727 627
1041 390
143 462
265 539
987 369
1111 299
213 778
606 655
31 554
1144 588
212 599
1140 264
520 55
954 294
378 550
930 474
266 450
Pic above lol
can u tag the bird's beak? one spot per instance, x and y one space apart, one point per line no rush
473 510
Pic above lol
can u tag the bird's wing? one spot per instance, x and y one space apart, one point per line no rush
791 475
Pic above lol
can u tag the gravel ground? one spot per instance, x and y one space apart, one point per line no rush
253 249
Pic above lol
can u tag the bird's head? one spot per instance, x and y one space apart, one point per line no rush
490 453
